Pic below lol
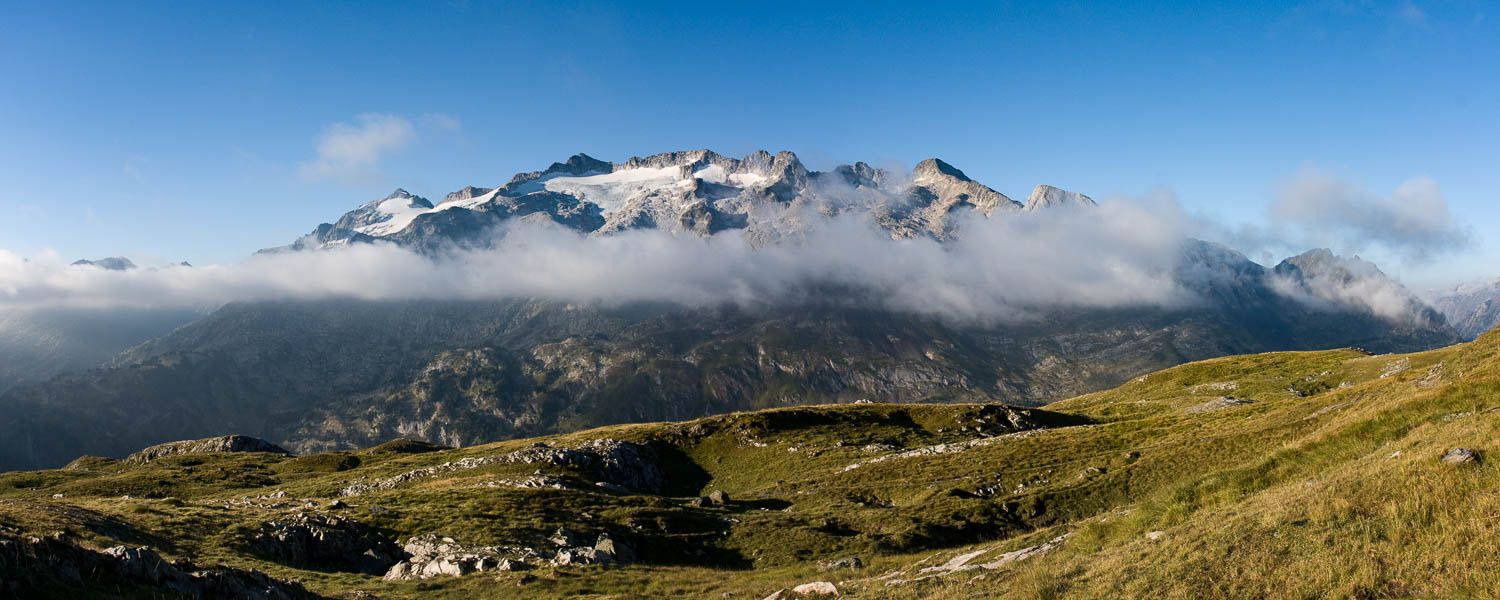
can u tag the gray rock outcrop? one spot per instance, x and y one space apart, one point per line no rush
432 555
318 540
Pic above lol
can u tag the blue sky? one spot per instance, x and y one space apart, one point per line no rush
192 131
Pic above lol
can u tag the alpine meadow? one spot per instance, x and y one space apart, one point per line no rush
759 302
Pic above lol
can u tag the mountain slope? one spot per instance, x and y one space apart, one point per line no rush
1245 476
39 344
1472 309
331 375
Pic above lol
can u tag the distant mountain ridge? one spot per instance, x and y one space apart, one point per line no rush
109 263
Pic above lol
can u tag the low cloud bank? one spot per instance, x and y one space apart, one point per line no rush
1003 268
1014 266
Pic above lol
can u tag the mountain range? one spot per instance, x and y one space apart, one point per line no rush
314 375
698 192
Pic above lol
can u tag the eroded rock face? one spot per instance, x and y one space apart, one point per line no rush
36 567
225 443
326 541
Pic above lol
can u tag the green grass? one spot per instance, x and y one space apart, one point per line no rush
1299 492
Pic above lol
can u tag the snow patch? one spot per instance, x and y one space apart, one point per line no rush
748 179
610 191
712 174
397 212
470 204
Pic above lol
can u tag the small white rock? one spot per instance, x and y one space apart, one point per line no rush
816 587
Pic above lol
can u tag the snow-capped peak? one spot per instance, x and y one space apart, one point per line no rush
385 216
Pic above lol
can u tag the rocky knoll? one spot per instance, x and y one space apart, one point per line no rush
34 567
626 464
225 443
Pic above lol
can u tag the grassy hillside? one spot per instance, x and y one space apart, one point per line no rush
1294 475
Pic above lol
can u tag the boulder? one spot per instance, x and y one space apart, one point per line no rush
621 551
1460 456
851 562
563 537
718 497
582 556
816 588
507 564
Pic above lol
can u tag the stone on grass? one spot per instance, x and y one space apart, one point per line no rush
817 588
851 562
1459 456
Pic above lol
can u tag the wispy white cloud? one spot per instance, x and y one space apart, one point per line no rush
1411 14
439 121
351 152
1315 208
